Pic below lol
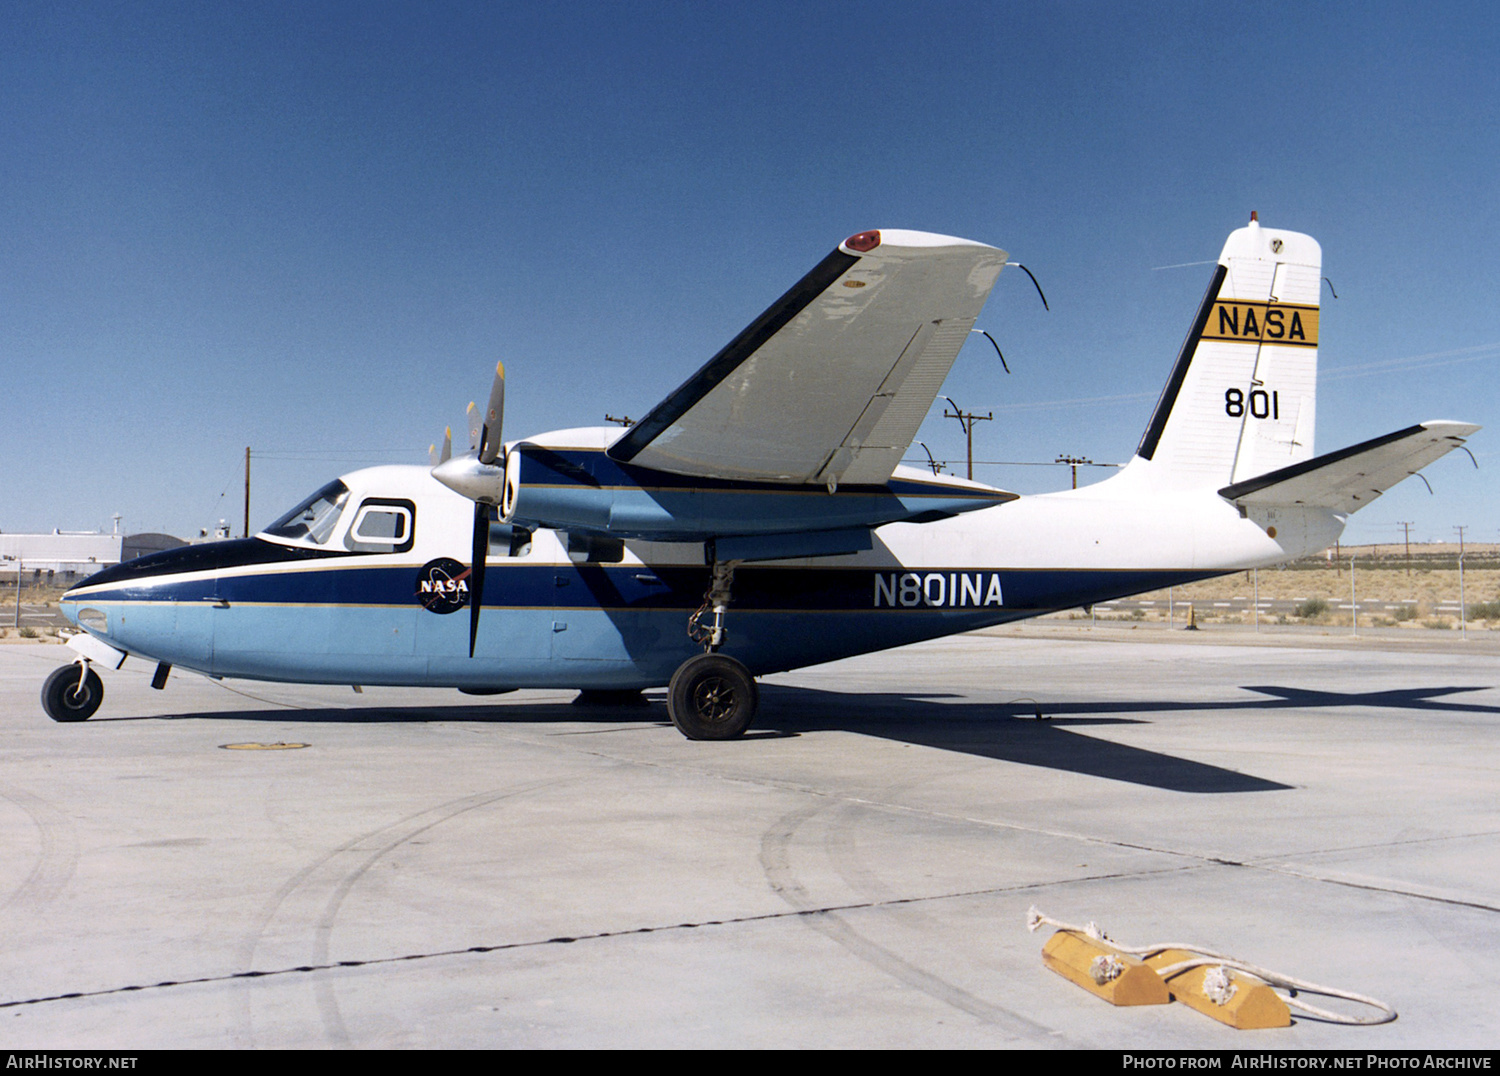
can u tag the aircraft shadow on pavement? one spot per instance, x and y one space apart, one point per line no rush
1007 732
1013 732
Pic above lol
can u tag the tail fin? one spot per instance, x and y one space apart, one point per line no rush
1241 399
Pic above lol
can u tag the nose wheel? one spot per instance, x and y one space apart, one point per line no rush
72 693
712 697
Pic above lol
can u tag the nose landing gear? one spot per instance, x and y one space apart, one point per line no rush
72 693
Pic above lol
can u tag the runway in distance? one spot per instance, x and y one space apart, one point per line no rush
758 519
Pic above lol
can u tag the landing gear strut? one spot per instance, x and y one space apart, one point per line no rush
715 603
712 696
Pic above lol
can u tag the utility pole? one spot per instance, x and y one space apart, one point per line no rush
1406 526
1073 461
247 491
1353 601
967 419
1463 612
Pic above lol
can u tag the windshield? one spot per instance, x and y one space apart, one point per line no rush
314 519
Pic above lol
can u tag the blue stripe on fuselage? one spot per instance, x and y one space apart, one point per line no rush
331 620
608 587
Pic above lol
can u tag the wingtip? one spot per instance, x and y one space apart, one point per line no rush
1450 428
899 238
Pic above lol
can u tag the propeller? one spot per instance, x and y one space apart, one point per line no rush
477 476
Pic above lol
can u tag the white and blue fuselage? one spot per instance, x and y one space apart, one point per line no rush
369 584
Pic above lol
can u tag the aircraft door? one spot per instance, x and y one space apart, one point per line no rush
194 618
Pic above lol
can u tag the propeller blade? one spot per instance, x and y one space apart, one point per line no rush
434 457
476 569
490 442
476 427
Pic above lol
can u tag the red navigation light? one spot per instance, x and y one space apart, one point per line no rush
864 242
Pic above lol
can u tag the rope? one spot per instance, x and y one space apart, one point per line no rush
1216 982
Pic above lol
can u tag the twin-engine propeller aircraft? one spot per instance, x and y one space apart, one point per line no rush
758 518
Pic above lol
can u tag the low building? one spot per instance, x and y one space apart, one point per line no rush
67 556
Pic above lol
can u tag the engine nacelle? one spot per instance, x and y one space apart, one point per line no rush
544 489
584 491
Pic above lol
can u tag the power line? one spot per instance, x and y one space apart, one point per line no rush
337 454
1013 463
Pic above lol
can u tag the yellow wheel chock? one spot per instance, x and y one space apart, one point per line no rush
1228 990
1103 970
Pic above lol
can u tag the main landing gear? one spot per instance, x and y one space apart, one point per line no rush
712 696
72 693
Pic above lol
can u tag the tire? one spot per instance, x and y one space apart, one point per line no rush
712 697
65 699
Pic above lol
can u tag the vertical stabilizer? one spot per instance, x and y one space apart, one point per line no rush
1241 399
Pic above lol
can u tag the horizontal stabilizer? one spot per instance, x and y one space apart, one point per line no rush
1351 478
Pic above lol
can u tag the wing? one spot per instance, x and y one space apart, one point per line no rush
1351 478
829 385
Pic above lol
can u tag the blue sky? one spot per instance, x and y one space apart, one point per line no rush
312 228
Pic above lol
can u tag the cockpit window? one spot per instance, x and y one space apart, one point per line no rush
314 519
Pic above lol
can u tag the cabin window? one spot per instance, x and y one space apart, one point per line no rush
314 519
382 526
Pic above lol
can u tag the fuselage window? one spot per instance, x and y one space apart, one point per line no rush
382 526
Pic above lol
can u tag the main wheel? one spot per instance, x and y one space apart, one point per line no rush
66 699
712 697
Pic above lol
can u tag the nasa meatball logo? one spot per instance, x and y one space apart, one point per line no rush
443 586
